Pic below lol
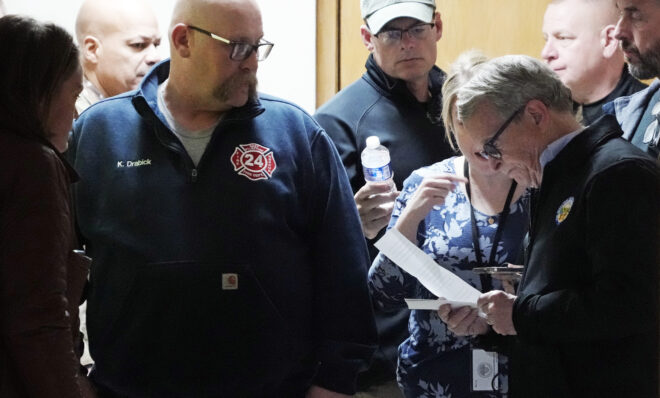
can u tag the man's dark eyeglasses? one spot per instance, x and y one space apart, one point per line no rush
391 36
490 149
240 51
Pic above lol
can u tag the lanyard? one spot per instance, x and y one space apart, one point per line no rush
485 282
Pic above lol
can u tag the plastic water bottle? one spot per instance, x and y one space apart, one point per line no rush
376 162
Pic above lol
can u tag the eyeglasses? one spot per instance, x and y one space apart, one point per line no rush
394 36
490 149
241 51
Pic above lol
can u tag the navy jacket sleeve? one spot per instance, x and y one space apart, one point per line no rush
344 137
621 296
343 313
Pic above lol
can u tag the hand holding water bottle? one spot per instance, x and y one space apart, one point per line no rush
375 200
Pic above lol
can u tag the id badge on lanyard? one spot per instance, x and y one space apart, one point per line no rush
485 363
484 371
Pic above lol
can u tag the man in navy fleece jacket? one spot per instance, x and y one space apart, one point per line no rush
228 255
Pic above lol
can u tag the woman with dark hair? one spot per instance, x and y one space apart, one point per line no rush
41 277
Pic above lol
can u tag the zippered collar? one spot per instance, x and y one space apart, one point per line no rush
397 90
396 87
145 99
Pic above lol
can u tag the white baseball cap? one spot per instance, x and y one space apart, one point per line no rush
377 13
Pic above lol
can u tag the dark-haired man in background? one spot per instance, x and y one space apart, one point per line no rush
397 99
638 32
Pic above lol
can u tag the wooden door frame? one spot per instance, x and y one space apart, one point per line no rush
339 62
327 49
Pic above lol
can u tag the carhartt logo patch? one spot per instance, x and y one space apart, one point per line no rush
229 281
564 210
253 161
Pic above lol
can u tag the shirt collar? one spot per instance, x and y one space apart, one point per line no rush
556 146
95 92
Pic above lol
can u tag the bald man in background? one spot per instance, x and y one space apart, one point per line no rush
118 42
581 48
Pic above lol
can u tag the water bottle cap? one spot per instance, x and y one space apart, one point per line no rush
373 141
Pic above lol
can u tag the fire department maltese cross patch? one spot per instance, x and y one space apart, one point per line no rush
564 209
253 161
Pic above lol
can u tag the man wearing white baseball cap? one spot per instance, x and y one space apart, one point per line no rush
377 13
399 100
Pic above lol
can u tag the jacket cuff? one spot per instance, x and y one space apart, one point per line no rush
523 316
339 364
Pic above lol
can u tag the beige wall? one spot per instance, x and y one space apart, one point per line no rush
497 27
290 70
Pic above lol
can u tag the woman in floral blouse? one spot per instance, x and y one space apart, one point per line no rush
448 209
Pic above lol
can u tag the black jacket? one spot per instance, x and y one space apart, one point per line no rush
627 85
377 104
587 308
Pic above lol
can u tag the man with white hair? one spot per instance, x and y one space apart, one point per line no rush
118 43
228 259
585 315
639 114
581 48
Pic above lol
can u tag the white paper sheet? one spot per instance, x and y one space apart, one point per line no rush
438 280
433 304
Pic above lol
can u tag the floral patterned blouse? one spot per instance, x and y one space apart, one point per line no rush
433 362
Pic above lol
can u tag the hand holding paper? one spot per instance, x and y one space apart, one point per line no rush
438 280
464 321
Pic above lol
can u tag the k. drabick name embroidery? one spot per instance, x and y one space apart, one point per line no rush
133 163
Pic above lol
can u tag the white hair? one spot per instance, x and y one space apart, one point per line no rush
510 82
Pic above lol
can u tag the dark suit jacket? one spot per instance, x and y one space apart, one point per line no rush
587 308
